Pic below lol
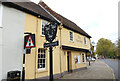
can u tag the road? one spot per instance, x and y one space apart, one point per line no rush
115 65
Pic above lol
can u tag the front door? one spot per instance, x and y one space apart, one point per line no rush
69 61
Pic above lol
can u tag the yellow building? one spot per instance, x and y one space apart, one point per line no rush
69 56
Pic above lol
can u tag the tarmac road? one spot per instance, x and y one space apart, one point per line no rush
115 65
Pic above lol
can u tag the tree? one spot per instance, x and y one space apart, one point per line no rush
105 48
118 48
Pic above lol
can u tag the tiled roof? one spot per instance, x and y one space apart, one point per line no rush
35 9
66 23
30 7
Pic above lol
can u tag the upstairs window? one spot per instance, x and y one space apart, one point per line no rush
41 59
85 40
71 36
43 25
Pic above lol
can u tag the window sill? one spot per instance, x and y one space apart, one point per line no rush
84 62
42 35
85 44
72 41
41 70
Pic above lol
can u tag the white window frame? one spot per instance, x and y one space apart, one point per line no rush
41 69
83 54
70 36
85 39
42 27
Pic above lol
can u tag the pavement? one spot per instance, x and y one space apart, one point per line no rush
97 70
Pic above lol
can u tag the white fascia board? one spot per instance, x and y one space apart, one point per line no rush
1 14
50 13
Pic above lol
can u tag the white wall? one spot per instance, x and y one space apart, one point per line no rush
0 41
13 38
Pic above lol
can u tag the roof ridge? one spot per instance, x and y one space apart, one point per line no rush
45 5
63 19
49 10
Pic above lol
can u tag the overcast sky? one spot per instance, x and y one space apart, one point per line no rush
99 18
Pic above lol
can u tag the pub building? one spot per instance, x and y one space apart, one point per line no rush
68 56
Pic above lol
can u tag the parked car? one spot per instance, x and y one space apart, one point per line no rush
91 59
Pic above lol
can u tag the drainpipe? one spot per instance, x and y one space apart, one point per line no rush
36 45
60 28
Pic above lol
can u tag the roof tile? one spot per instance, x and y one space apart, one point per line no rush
69 24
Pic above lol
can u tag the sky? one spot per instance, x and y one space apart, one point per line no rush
99 18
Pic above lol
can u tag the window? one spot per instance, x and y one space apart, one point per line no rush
43 25
41 59
79 59
85 40
83 57
71 36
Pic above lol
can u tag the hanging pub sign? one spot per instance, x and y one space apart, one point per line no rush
50 31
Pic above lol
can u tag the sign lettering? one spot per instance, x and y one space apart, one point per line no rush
51 44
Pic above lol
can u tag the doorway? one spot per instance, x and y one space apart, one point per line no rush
69 64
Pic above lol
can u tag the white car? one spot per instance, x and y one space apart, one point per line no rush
91 59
